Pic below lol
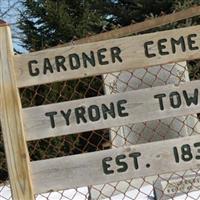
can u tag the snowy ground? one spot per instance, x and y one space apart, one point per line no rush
79 194
82 194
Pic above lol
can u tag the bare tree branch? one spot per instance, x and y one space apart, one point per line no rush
9 9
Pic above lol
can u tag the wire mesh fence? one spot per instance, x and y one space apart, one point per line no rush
182 185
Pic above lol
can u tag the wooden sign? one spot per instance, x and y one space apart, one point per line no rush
111 110
20 125
107 56
116 164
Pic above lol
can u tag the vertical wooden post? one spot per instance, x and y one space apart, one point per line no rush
11 121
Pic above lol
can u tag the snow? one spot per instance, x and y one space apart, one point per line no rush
71 194
82 194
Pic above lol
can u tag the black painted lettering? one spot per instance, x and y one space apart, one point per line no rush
74 61
186 153
115 54
192 99
197 145
51 116
135 156
146 49
47 66
106 111
175 103
121 108
123 165
66 116
175 42
106 166
101 56
94 113
79 114
160 98
88 59
32 72
162 47
191 42
60 61
176 155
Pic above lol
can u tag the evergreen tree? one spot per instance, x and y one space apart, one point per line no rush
125 12
47 23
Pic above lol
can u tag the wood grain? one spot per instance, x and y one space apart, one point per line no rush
11 121
132 54
86 169
138 106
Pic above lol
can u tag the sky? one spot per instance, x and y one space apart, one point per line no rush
9 12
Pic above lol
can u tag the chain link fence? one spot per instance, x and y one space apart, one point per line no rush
155 187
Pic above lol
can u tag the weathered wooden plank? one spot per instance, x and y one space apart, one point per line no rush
11 121
111 110
108 56
116 164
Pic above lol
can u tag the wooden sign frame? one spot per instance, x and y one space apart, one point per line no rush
29 178
17 156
